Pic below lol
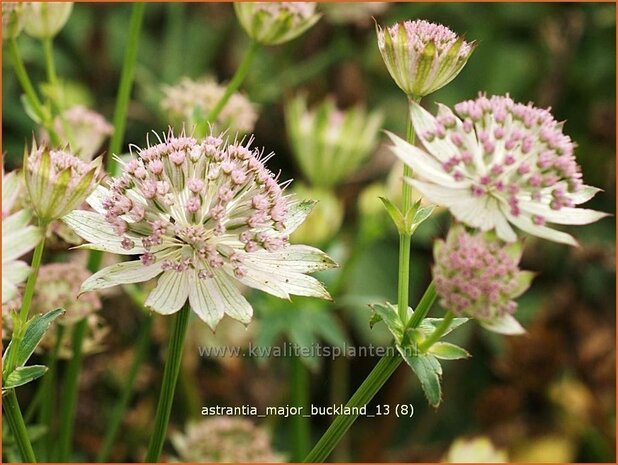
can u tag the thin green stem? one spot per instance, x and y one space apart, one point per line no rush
70 387
18 330
376 379
438 333
363 395
423 306
34 273
299 397
168 385
50 67
126 84
403 288
31 96
340 386
143 344
237 80
48 398
405 238
17 425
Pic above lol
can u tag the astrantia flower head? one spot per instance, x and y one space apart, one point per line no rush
477 276
58 286
203 214
494 163
12 19
330 144
272 23
188 100
84 129
421 56
58 181
225 439
43 20
18 238
97 330
325 219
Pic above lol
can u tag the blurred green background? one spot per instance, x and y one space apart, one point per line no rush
546 396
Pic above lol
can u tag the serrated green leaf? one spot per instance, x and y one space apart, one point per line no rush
388 314
428 371
34 332
395 215
23 375
448 351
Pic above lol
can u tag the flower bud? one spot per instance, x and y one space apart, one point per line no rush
325 219
58 181
477 276
189 102
421 56
12 19
330 144
277 22
83 129
43 20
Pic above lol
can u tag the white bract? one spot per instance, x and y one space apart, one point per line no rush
204 216
18 238
496 164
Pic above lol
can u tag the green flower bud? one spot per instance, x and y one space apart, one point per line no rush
277 22
12 19
330 144
43 20
421 56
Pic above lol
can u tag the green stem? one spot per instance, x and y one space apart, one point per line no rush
17 425
143 343
48 398
37 257
31 95
423 306
363 395
340 386
70 387
237 80
405 238
376 379
19 325
299 397
126 84
438 333
168 385
49 61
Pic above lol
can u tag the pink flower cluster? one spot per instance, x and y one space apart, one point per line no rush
475 276
522 147
420 33
59 162
206 199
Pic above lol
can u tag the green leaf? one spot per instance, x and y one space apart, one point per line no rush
422 214
448 351
23 375
429 325
35 330
395 215
388 314
428 371
29 110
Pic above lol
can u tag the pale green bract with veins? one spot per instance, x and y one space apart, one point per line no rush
204 216
18 237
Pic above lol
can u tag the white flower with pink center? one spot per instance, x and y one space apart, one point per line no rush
203 215
496 164
476 276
